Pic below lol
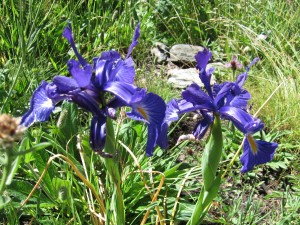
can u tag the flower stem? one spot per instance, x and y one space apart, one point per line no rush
6 169
116 202
211 181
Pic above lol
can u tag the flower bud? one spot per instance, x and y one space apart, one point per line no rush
10 130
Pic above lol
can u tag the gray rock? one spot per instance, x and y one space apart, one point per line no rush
160 52
181 78
184 53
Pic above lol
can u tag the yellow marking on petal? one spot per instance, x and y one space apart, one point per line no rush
252 143
143 113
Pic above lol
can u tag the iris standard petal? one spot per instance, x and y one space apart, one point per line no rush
252 63
123 71
111 55
98 133
82 75
220 98
256 152
240 100
67 33
41 106
110 67
102 71
134 40
205 77
241 78
65 84
202 59
198 97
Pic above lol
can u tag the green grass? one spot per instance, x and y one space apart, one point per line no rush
32 49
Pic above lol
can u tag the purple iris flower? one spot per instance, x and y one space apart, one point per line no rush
229 100
87 87
209 103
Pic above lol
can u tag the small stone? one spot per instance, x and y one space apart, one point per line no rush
160 53
184 53
181 78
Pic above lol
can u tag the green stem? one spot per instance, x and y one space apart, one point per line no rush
6 170
113 169
211 181
233 75
212 154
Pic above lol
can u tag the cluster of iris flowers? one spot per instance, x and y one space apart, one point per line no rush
110 73
88 88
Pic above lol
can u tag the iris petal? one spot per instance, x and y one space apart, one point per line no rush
102 70
243 76
162 139
65 84
123 91
152 139
238 116
67 33
134 40
41 106
185 106
123 71
254 126
111 55
256 152
172 111
98 133
81 75
110 67
202 59
151 109
240 101
198 97
85 101
172 114
219 99
203 125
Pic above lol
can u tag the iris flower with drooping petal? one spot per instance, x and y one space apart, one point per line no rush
87 87
229 100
